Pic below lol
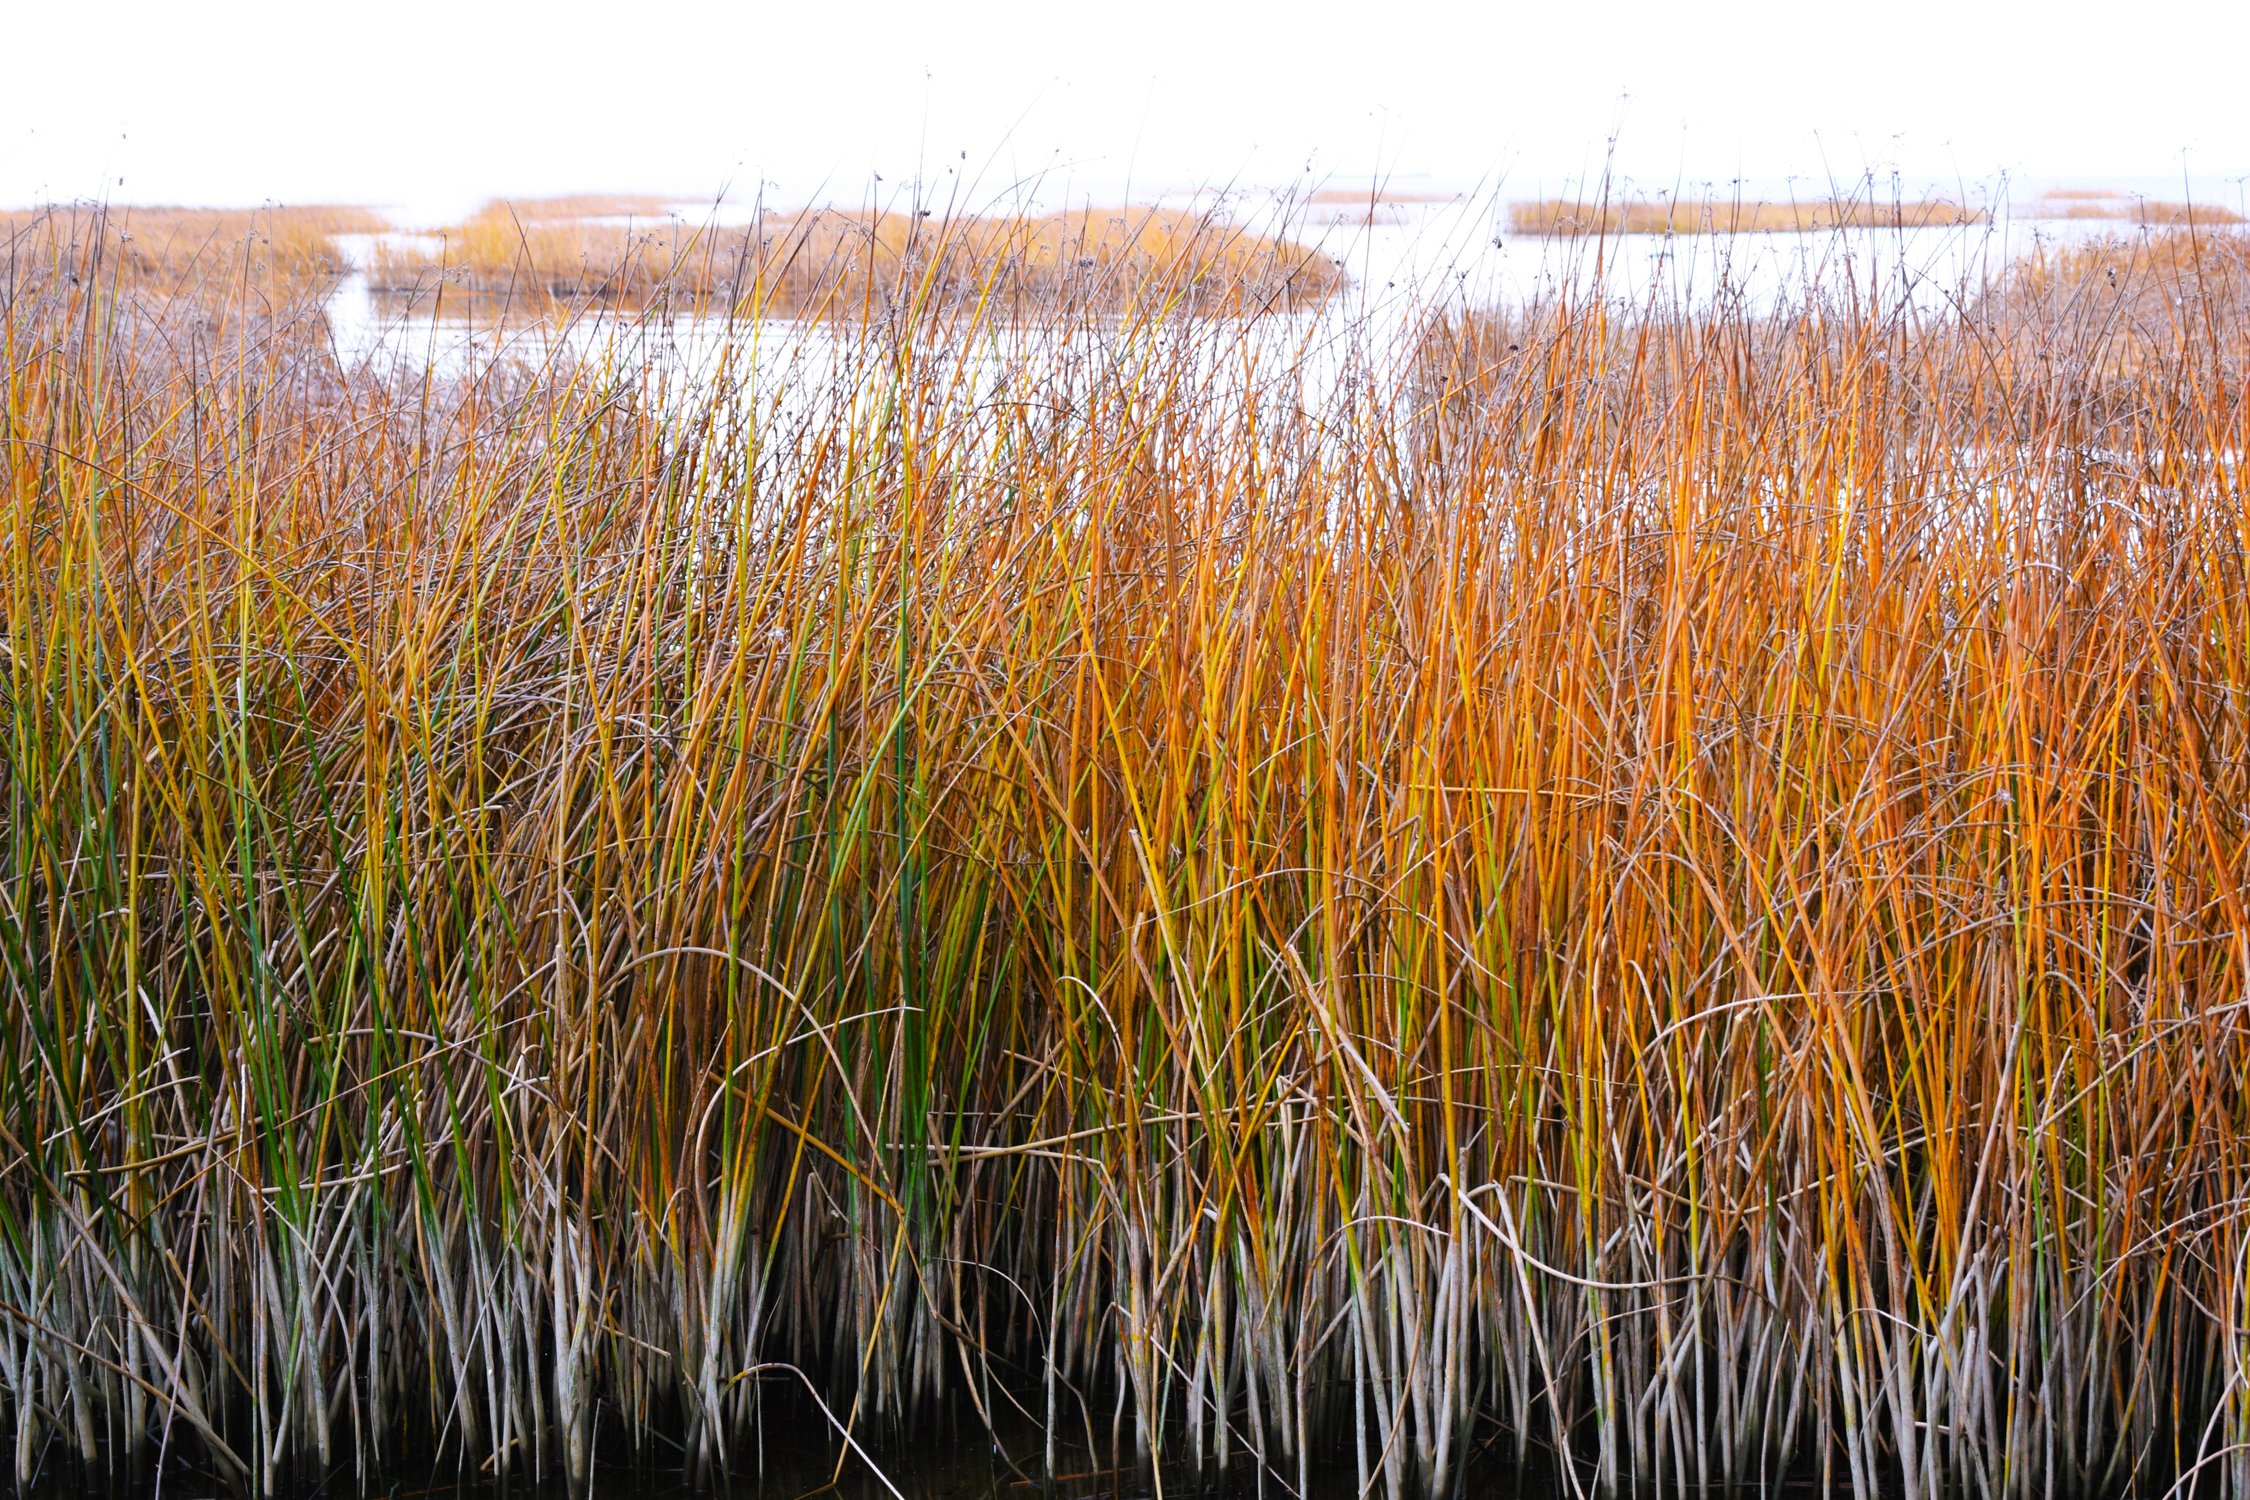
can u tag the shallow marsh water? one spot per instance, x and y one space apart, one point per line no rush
1407 264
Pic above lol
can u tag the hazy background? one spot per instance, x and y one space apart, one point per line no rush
432 105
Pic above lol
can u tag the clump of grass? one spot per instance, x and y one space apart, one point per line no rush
174 251
564 207
2129 208
1568 217
2089 333
1376 194
1668 896
835 263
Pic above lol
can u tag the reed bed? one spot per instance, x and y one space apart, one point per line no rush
1608 214
2129 208
1661 898
836 263
2089 331
177 251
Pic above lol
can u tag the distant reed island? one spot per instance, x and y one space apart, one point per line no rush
919 828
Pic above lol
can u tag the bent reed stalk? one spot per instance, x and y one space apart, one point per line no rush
1664 896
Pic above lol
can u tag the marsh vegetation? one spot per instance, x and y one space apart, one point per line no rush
831 263
1605 214
1658 896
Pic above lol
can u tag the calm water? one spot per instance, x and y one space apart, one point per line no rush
1415 261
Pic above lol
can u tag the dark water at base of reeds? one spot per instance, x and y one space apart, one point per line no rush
795 1456
951 1465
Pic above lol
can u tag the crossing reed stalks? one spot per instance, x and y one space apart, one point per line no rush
1661 896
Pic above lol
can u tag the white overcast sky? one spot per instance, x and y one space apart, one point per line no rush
432 102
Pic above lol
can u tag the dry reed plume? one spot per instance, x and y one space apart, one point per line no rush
1668 894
